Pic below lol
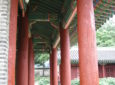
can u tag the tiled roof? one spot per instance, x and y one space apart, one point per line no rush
105 55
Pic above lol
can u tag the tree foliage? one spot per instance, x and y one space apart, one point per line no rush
106 34
41 58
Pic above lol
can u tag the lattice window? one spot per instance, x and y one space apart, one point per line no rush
109 71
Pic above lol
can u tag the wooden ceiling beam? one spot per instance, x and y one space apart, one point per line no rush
97 5
22 7
66 26
70 20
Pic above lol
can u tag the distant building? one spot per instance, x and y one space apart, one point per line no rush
106 62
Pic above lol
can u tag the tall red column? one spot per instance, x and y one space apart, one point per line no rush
87 43
30 63
51 69
103 71
22 55
55 72
65 57
12 42
60 73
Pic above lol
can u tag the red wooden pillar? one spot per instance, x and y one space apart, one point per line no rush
55 72
12 42
103 71
60 73
51 69
65 57
87 43
30 63
22 55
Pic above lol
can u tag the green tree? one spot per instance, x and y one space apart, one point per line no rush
40 58
106 34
